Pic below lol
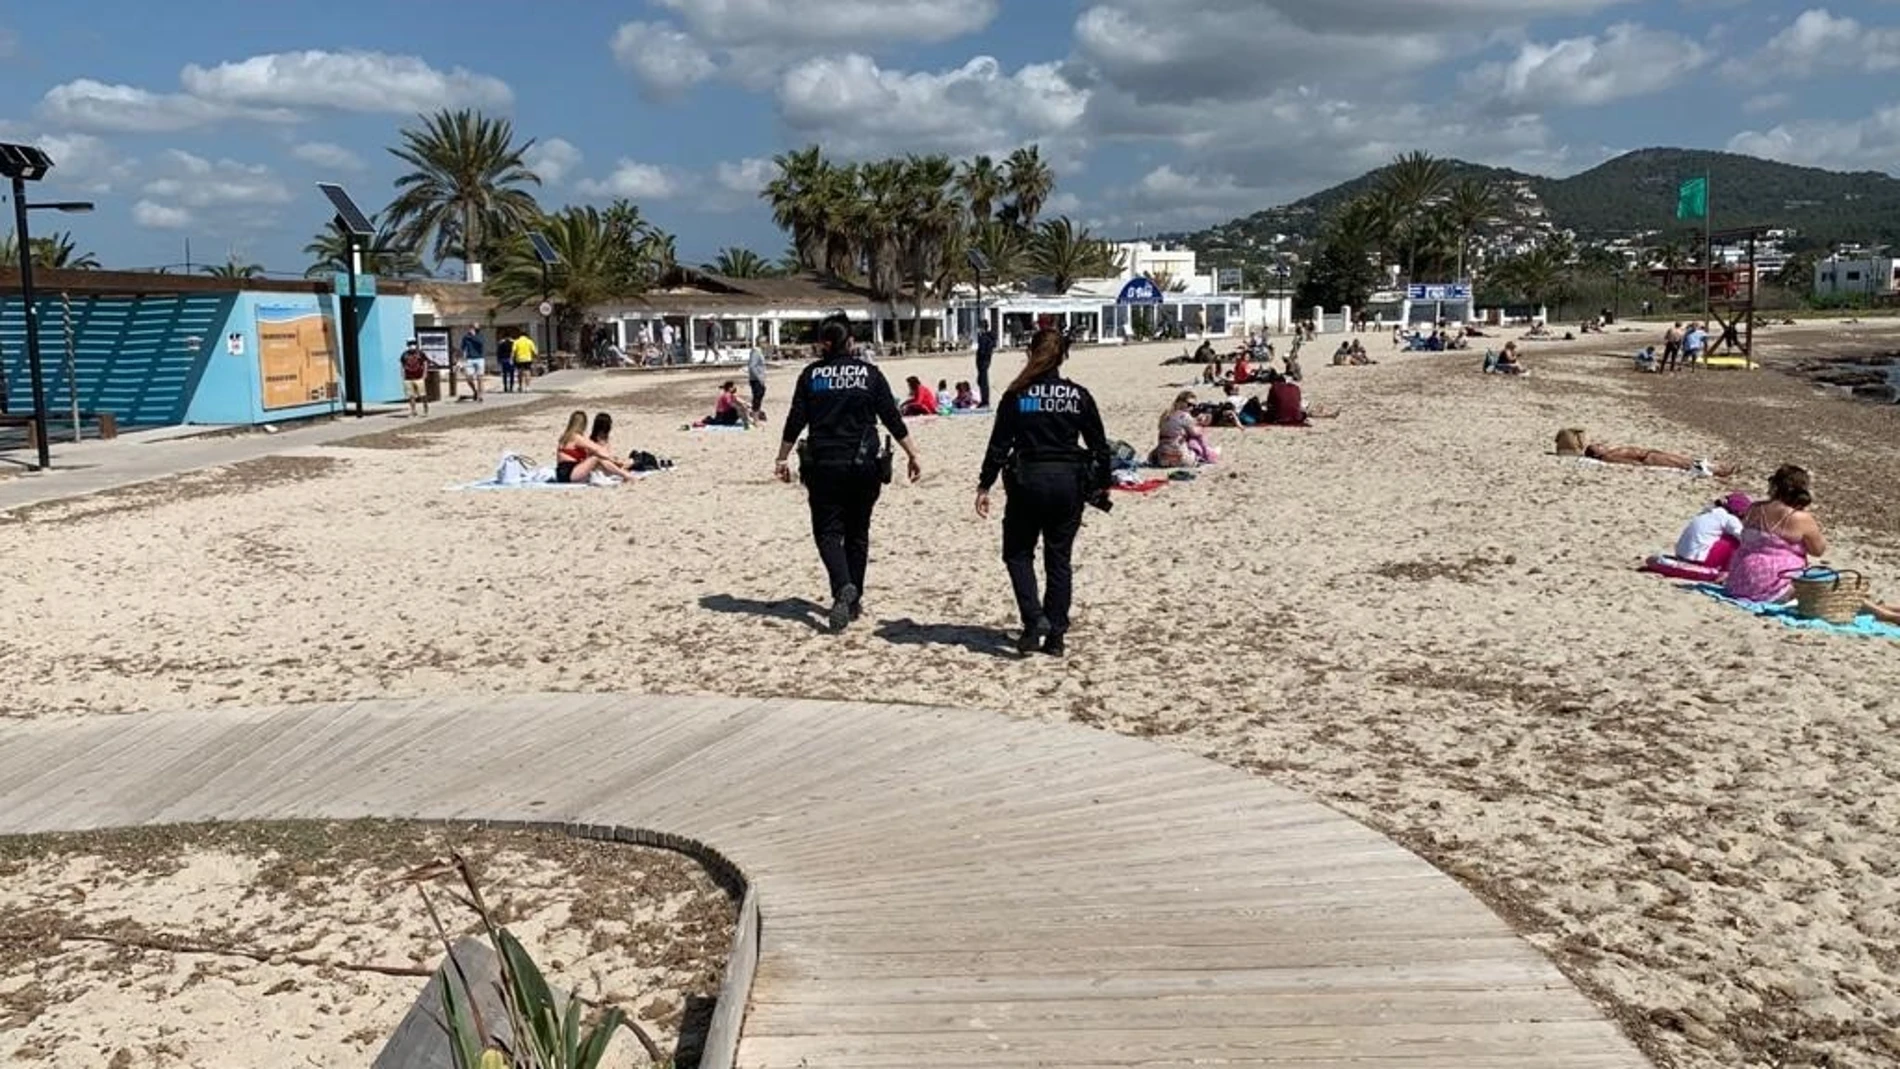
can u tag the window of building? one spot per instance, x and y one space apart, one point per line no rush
1853 276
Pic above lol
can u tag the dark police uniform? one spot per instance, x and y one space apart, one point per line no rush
1049 444
842 399
985 352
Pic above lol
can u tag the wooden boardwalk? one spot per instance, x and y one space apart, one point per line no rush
937 887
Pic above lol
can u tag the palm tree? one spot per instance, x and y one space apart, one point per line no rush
875 219
384 253
982 183
598 264
1061 253
51 252
798 199
1004 248
738 263
932 218
1472 207
465 189
1165 281
232 270
1029 181
1413 182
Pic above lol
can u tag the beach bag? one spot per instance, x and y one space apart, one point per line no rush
1570 442
642 461
513 470
1825 594
1122 456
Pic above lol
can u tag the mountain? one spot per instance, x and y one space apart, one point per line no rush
1630 194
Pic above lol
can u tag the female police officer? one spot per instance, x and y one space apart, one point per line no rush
1049 478
842 399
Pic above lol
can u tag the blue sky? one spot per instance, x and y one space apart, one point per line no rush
209 120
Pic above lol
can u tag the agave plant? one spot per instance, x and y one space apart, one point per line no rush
549 1031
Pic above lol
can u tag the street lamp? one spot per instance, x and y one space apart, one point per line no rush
22 164
356 229
550 259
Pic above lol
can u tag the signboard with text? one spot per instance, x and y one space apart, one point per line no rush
1439 291
434 344
1140 290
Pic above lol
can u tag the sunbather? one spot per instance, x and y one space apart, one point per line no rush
1637 456
578 457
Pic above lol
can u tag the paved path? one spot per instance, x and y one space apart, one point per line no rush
91 466
937 887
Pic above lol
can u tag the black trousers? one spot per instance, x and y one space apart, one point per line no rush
1045 504
841 507
758 395
983 378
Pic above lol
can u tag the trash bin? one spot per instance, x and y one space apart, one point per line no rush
434 389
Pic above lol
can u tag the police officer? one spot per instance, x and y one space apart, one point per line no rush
985 352
1049 445
842 399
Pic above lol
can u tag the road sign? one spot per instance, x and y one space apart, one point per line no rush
1439 291
547 308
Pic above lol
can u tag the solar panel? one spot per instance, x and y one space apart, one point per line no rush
977 261
24 161
351 216
542 249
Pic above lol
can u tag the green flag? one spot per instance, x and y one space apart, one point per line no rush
1692 199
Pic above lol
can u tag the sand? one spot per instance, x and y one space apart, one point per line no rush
1413 612
82 985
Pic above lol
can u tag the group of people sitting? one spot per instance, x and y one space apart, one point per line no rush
1756 548
585 451
1441 338
1181 443
1247 372
1352 354
923 401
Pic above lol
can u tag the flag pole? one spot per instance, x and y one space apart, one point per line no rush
1708 246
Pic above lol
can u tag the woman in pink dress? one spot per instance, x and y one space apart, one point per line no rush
1778 537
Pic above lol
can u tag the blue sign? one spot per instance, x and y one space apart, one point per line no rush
1140 290
1439 291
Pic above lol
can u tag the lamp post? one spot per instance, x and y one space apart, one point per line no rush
22 164
356 229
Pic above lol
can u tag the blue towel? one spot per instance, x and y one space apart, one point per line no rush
1862 625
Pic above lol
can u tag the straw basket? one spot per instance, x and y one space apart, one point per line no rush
1825 594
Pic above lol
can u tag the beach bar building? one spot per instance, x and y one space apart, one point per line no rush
150 350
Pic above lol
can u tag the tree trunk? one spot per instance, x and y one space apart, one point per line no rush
917 313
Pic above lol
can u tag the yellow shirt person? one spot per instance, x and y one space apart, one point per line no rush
524 350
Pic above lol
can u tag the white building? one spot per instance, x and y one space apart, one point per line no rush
1877 276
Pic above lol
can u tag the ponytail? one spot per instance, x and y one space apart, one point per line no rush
1047 351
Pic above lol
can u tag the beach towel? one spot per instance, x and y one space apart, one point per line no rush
1673 567
716 427
1863 625
966 412
1589 462
1145 486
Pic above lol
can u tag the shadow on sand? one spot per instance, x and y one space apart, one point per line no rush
798 610
982 640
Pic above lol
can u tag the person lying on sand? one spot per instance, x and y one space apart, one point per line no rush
1637 456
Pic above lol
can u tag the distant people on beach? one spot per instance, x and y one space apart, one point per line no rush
577 456
728 410
524 352
1179 442
1571 443
921 400
472 364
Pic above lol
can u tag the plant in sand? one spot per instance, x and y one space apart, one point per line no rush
548 1031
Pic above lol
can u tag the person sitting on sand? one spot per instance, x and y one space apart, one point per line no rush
1646 360
1713 536
728 410
578 457
966 398
1637 456
1506 361
1243 369
921 401
1179 441
1778 537
946 400
1342 355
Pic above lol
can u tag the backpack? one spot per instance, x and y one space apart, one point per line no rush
643 461
1122 456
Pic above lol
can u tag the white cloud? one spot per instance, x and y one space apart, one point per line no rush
1871 143
328 155
552 159
90 105
856 107
630 179
1818 40
347 81
831 24
82 162
1628 60
194 182
160 216
665 61
748 176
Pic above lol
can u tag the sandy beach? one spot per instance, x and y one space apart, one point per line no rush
302 941
1414 612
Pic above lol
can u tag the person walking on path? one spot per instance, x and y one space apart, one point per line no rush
524 362
505 360
415 374
985 352
842 399
472 369
1050 448
755 377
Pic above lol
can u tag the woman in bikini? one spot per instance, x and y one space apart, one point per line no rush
577 456
1637 456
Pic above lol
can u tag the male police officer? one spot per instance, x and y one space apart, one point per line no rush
1048 438
842 399
985 352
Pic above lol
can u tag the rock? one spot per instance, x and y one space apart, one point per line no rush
1882 393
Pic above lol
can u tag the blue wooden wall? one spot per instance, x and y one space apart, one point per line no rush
139 358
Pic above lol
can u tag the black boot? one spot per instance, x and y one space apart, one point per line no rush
1032 637
841 616
1053 645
